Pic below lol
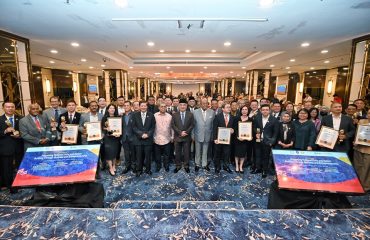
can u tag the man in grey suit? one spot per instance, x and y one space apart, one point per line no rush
35 129
53 113
202 133
92 116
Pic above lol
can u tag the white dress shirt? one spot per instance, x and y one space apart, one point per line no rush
336 121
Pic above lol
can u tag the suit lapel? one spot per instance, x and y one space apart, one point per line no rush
331 123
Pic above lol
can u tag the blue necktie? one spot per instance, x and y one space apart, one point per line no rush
56 115
11 121
182 118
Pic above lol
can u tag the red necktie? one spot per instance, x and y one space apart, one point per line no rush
38 125
226 120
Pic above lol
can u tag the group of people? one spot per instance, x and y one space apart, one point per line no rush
181 129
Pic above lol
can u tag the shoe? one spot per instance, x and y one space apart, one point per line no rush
138 173
148 172
176 170
255 171
167 169
126 170
241 172
207 168
236 171
264 174
227 169
187 170
217 170
196 169
157 169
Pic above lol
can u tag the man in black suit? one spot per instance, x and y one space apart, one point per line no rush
222 151
152 108
182 124
126 139
276 110
361 108
341 123
265 130
192 104
11 145
143 125
70 117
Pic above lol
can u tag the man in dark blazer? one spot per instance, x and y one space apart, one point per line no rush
341 123
265 131
192 104
182 124
70 117
143 125
222 151
11 145
126 139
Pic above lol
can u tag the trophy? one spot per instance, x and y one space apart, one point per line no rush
84 131
258 131
341 132
53 124
9 124
63 122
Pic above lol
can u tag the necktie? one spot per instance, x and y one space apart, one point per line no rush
168 109
143 118
126 119
226 120
56 115
70 118
101 111
11 121
38 125
204 115
182 118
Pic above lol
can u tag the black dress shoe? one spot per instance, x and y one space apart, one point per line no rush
126 170
207 169
167 169
236 171
196 169
227 169
217 170
148 172
264 174
187 170
158 169
241 172
256 171
176 170
138 173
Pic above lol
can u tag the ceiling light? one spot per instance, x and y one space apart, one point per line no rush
292 60
324 51
345 68
314 72
327 61
54 51
83 60
305 44
266 3
157 73
205 67
227 44
289 71
103 65
141 72
272 65
150 44
52 62
201 72
161 51
75 44
213 50
287 68
312 68
187 51
91 67
243 67
168 67
130 67
121 3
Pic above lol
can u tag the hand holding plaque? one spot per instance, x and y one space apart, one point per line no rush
70 134
327 137
245 131
223 135
363 135
93 131
115 126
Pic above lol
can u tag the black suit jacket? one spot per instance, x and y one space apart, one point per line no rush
178 127
219 121
270 131
127 133
346 123
139 129
9 145
76 120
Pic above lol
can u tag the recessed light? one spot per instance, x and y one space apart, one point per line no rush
52 62
201 72
91 67
187 51
243 67
345 68
289 71
54 51
75 44
161 51
141 72
227 44
11 52
205 67
314 72
83 60
168 67
292 60
312 68
287 68
213 50
103 65
157 73
150 44
305 44
307 73
324 51
231 72
327 61
130 67
272 65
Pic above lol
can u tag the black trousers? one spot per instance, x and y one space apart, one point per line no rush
129 152
263 152
222 155
162 150
6 171
182 152
143 157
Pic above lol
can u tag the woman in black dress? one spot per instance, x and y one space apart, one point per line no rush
111 141
286 137
305 131
241 146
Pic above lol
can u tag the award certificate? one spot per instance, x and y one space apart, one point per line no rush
115 125
327 137
245 130
70 135
93 131
224 135
363 135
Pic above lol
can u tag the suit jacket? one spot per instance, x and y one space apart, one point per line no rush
127 133
84 118
139 129
9 145
173 110
178 127
76 120
219 121
346 123
270 131
203 129
153 108
31 135
188 109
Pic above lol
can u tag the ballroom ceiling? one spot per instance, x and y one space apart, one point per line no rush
151 38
